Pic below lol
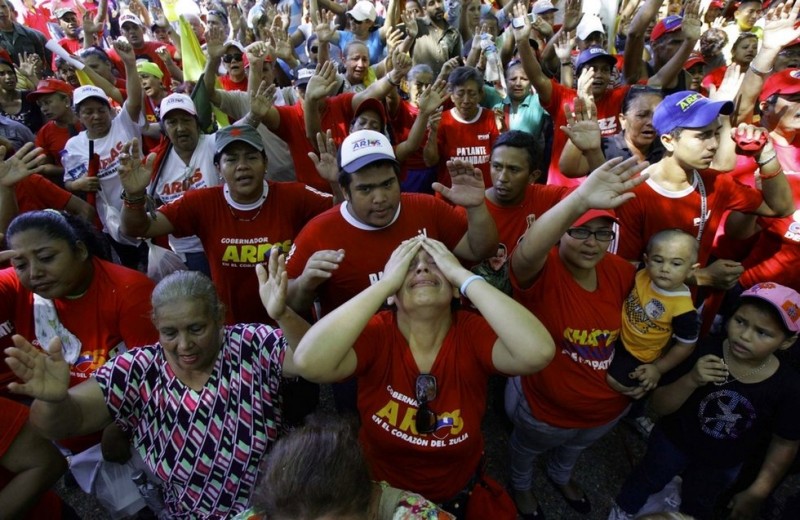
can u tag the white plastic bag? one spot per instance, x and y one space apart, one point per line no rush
162 262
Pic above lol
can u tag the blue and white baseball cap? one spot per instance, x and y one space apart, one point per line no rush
688 109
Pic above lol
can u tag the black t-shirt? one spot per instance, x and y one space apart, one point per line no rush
720 425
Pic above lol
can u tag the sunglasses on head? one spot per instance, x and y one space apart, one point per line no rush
228 58
426 391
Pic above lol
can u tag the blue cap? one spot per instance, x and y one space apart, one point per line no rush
688 109
594 53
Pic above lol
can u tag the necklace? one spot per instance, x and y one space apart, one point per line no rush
231 204
730 378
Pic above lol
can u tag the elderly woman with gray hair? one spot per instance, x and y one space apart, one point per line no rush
202 404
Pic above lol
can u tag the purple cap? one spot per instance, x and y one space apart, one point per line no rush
785 300
688 109
594 53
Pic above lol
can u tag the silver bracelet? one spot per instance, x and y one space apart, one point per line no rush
467 282
763 162
758 72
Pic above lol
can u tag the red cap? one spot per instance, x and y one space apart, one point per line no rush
783 82
719 4
49 86
693 60
371 104
596 213
667 25
5 57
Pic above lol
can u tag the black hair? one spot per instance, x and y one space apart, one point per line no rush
461 75
637 91
519 139
64 226
95 51
346 178
765 307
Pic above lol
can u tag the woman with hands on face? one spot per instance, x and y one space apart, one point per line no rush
422 367
200 372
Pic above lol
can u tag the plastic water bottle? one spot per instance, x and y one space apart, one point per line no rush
493 72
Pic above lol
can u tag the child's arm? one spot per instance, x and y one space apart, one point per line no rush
667 399
780 454
649 375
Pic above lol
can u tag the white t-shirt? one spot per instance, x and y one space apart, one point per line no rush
176 178
75 159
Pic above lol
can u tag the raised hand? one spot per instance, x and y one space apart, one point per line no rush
692 24
779 27
608 186
326 164
125 52
163 53
134 175
410 21
28 160
394 39
322 82
585 81
215 41
573 13
262 100
90 26
44 375
273 284
401 64
523 32
582 127
29 65
257 52
324 29
730 85
467 187
432 97
564 44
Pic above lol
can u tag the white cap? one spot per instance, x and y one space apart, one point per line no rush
589 24
177 102
130 17
81 94
364 147
544 7
363 10
234 43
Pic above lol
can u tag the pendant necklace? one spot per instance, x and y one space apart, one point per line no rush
729 377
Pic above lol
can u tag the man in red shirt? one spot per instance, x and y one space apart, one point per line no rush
133 29
71 25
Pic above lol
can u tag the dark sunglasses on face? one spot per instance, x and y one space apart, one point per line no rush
314 50
357 22
426 391
601 235
228 58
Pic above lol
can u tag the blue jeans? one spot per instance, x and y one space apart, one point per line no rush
701 486
532 437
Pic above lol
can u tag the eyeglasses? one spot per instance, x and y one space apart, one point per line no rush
426 390
357 22
228 58
314 49
582 233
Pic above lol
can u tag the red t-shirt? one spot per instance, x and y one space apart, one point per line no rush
714 77
436 465
235 240
367 248
513 221
13 417
572 392
53 138
337 115
467 140
293 132
115 309
36 193
228 84
71 45
655 209
151 111
401 122
609 107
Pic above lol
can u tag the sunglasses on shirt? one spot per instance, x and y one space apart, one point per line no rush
228 58
426 391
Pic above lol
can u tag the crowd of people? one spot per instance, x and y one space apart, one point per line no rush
210 209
